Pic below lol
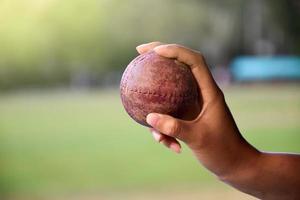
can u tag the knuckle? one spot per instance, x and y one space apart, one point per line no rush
199 57
173 128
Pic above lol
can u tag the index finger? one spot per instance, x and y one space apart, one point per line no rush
196 61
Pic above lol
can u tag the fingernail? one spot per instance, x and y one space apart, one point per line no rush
142 45
157 136
152 119
175 147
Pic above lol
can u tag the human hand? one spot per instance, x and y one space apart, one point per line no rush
216 141
213 135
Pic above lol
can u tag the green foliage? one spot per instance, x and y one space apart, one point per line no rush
49 42
46 42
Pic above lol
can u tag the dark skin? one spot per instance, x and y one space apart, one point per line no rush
215 139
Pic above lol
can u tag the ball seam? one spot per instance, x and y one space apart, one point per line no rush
170 96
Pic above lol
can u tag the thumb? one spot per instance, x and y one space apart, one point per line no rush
167 125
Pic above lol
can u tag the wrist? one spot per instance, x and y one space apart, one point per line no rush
244 168
228 158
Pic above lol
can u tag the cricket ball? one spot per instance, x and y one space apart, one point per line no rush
152 83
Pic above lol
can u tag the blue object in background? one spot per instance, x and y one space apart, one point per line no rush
252 68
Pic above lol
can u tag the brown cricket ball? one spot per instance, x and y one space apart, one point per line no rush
152 83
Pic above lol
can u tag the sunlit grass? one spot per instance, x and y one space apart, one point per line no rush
64 141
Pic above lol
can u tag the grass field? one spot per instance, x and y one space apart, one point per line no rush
82 145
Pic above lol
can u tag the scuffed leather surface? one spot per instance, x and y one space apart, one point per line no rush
152 83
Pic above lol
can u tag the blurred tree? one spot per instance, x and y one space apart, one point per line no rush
287 15
54 42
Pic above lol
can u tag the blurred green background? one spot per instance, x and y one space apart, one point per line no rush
63 131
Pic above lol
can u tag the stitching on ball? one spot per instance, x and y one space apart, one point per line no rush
171 96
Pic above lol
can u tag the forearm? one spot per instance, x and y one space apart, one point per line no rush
236 162
226 155
264 175
268 176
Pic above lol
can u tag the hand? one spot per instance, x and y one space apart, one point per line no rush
213 136
216 141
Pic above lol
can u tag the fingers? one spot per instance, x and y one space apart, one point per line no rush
182 54
167 125
143 48
197 64
168 141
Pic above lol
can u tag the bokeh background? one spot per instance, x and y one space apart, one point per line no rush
63 131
